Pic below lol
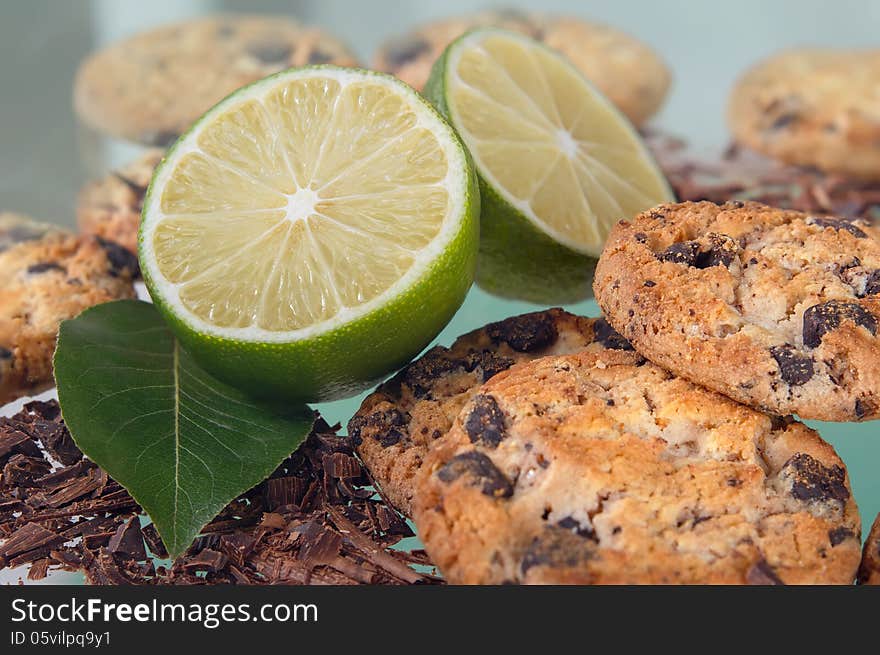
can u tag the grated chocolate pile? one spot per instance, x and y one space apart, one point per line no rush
315 520
742 174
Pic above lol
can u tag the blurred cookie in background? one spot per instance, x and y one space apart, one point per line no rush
111 207
16 229
48 275
812 107
150 87
627 71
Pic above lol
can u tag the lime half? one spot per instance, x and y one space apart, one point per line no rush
311 232
559 165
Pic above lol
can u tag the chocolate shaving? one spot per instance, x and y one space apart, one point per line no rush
54 436
15 442
38 569
29 537
128 541
206 560
741 174
317 519
154 541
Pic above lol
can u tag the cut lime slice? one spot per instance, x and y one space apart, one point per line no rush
311 232
558 164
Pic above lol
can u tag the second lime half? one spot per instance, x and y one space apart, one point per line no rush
558 163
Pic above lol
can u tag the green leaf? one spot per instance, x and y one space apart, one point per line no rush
183 444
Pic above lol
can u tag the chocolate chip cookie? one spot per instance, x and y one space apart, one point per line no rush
111 207
813 107
16 229
405 417
48 275
777 309
869 571
150 87
600 468
626 70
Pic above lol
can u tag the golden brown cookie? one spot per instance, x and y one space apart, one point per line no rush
405 417
48 275
813 107
150 87
601 468
623 68
111 207
869 571
774 308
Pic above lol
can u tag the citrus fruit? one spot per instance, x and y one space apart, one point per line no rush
311 232
558 163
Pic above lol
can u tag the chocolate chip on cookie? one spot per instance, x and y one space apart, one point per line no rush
385 427
810 481
480 471
609 337
488 362
827 316
718 250
837 536
681 253
122 262
761 573
525 333
43 267
794 368
838 224
556 550
485 423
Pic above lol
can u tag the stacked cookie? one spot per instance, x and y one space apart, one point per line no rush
654 445
774 308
